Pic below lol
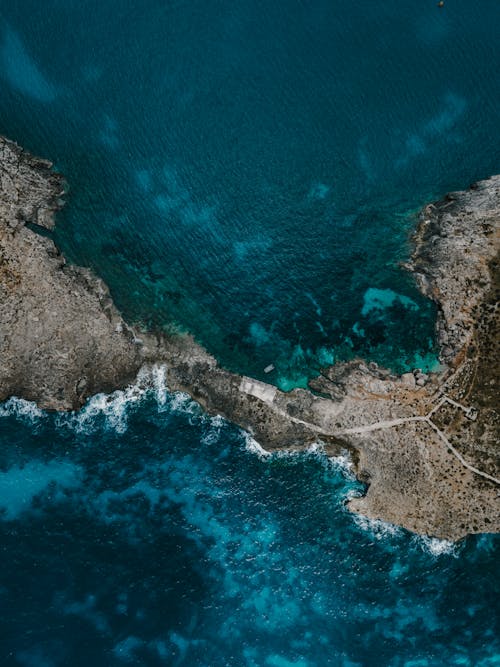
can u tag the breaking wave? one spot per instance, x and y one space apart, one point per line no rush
21 409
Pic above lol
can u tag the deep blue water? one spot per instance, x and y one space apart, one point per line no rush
250 172
142 532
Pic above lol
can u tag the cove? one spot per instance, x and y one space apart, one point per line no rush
249 173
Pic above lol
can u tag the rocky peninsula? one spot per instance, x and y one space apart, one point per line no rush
427 446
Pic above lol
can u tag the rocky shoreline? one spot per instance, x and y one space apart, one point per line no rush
426 445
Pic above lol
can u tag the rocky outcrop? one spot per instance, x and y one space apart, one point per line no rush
61 338
426 445
455 244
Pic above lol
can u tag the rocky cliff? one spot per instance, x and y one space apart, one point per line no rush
61 338
426 445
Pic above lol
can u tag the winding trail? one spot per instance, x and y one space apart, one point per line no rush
376 426
470 413
267 393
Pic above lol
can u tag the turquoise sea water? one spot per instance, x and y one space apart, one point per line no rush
250 172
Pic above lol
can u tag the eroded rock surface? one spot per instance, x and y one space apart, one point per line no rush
426 445
61 338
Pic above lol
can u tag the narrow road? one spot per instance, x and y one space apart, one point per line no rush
266 393
376 426
427 419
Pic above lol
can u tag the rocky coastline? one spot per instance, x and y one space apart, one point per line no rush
427 446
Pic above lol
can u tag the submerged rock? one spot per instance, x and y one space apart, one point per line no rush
425 444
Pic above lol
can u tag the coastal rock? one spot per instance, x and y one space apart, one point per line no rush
408 379
425 444
455 243
59 336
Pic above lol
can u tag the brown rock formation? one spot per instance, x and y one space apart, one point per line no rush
61 338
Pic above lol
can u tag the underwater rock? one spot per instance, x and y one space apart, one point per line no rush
425 444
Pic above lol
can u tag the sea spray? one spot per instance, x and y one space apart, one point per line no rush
21 409
114 409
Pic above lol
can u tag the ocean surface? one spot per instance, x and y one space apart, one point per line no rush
250 172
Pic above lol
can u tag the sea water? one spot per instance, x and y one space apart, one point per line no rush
140 531
249 172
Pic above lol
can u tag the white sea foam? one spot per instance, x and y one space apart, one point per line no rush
18 407
182 403
437 547
253 446
159 380
353 493
376 527
315 448
382 529
343 463
114 408
217 421
212 435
